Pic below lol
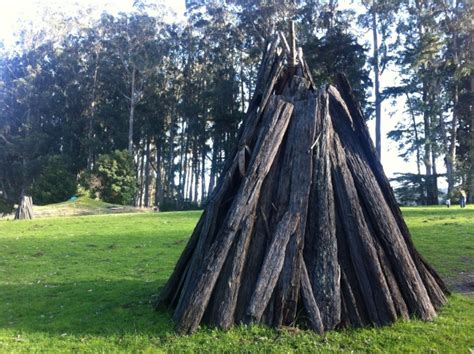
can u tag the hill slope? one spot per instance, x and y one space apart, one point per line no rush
82 206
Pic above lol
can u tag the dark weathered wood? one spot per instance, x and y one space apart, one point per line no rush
320 240
309 302
227 289
271 267
260 238
384 224
302 227
299 157
356 313
293 61
194 299
372 282
435 285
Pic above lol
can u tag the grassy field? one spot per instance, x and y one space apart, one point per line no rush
85 284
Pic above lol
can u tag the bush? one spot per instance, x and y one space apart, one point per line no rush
116 176
55 183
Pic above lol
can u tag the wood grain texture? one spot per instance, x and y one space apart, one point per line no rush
302 228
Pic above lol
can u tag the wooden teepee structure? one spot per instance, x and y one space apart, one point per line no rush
303 226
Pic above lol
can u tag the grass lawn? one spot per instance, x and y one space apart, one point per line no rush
85 284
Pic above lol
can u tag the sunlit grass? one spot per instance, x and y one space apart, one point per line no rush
85 284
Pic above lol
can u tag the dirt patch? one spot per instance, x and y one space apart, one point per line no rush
462 283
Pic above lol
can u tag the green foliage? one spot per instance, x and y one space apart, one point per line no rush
55 183
116 173
5 207
339 52
409 188
84 284
66 88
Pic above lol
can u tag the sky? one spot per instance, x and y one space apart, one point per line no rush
13 13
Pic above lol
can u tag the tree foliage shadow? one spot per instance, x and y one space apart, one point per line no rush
99 308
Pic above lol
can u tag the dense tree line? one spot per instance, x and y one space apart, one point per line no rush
435 59
173 95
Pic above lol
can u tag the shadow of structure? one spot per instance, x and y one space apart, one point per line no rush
84 308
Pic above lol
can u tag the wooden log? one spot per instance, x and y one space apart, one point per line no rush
434 284
384 224
356 313
271 267
260 239
373 286
309 302
266 81
173 287
397 297
227 288
293 60
195 297
296 190
320 249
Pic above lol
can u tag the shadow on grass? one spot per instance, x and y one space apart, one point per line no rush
84 308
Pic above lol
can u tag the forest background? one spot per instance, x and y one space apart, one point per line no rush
140 102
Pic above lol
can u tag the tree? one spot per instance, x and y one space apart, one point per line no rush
23 137
380 17
116 173
55 183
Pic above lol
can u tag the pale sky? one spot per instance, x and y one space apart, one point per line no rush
14 12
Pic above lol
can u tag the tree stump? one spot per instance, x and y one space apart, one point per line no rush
302 227
25 209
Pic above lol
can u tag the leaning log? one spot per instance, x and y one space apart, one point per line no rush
302 227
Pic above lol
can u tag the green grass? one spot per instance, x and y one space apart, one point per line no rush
85 284
445 237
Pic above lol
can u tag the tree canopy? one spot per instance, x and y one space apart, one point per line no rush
174 93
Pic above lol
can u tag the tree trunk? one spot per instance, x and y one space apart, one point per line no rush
196 174
435 178
170 187
190 180
183 172
417 149
213 171
158 181
146 199
131 117
203 176
139 202
427 158
471 145
378 101
92 109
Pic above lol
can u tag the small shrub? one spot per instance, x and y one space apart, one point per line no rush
114 178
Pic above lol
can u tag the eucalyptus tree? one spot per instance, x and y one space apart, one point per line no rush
434 65
420 66
23 124
133 38
380 19
456 24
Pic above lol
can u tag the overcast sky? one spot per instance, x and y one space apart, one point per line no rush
14 12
